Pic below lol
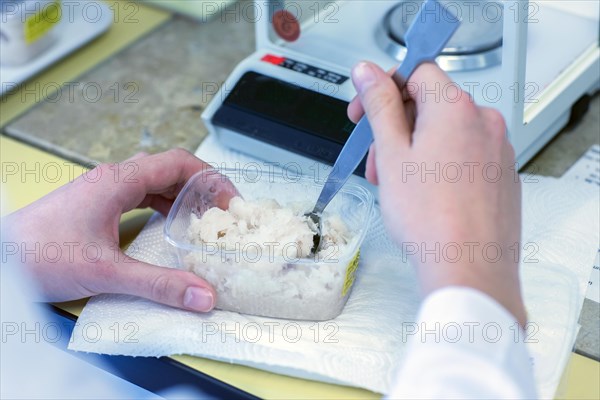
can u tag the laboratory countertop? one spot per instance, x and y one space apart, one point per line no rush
153 93
147 98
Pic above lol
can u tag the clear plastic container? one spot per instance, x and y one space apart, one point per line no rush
259 282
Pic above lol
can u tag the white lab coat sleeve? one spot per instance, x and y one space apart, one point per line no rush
464 345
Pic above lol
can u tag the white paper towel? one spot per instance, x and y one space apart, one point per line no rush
363 346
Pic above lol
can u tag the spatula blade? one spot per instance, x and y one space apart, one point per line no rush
431 29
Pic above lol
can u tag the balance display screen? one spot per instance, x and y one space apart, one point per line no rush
287 116
300 108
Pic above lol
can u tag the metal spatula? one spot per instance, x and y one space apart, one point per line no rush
431 29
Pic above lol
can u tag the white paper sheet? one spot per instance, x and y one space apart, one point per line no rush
587 170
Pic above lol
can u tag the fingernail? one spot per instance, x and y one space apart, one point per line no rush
198 298
363 76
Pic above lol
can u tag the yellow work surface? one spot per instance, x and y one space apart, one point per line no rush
199 9
124 31
24 185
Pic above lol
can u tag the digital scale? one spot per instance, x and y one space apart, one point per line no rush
287 101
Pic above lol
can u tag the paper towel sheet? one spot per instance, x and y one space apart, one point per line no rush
364 346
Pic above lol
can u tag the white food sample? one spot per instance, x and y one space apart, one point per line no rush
246 224
258 256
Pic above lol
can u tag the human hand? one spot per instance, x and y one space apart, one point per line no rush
449 192
69 239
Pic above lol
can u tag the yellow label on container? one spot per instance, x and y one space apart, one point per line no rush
39 24
350 272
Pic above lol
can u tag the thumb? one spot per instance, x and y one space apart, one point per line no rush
168 286
383 105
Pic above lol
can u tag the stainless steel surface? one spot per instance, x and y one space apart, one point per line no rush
425 38
477 43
